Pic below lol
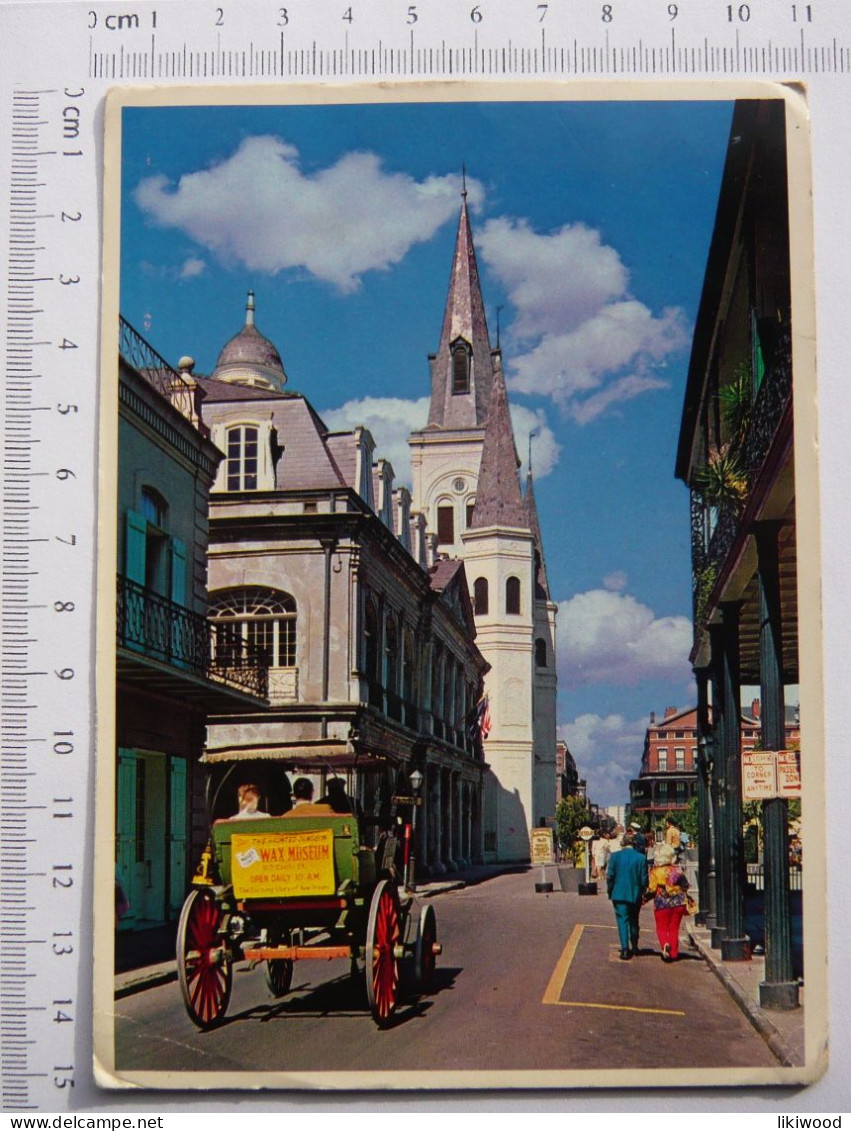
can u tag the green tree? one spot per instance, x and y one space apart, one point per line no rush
689 819
571 814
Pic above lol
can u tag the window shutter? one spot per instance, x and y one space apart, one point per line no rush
125 835
136 533
177 834
178 571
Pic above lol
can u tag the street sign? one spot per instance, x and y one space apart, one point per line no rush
586 833
759 775
788 773
541 841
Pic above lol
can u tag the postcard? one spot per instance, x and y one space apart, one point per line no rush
459 707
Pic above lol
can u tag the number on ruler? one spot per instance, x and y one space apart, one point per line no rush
607 16
63 882
476 15
283 17
742 14
60 1014
220 17
542 10
806 14
62 948
63 746
412 14
347 16
63 1076
673 11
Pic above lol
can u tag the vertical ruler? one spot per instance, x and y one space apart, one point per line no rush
47 533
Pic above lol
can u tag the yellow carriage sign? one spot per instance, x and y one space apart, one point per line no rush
281 865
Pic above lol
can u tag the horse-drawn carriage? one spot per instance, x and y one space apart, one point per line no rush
326 880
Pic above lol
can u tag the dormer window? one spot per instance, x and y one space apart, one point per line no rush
242 451
461 363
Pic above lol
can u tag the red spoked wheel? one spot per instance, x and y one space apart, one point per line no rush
425 959
204 966
383 935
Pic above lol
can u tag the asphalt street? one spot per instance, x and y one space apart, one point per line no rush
526 981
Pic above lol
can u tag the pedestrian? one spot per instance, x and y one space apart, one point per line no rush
640 841
600 853
672 836
668 886
626 884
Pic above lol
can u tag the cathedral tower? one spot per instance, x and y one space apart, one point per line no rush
467 486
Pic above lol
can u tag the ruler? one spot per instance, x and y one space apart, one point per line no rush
57 61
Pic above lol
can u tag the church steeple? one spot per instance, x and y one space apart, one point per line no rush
462 369
499 501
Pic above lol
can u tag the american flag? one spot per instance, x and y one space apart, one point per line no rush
483 713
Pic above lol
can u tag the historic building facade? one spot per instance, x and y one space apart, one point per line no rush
467 487
167 681
316 560
736 455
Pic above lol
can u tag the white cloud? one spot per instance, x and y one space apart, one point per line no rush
392 419
581 337
606 636
615 581
607 750
192 267
259 208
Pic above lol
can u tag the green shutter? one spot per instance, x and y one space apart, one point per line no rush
177 835
178 572
136 534
125 833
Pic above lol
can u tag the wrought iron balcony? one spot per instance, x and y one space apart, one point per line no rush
154 369
714 531
155 627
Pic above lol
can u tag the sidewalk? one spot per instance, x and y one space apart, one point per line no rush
142 977
782 1030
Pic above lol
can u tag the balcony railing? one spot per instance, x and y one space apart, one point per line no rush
156 627
154 369
714 531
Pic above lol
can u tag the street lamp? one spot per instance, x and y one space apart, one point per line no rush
416 780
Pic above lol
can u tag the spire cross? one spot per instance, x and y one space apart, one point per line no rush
463 180
532 435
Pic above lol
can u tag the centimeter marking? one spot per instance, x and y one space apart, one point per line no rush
571 58
40 904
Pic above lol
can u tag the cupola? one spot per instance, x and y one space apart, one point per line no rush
249 358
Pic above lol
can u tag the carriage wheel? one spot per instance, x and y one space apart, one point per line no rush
382 967
279 971
424 957
204 967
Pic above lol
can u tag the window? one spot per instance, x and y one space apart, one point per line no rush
679 758
254 625
154 509
242 453
540 653
480 597
446 525
512 596
469 513
460 368
154 559
663 759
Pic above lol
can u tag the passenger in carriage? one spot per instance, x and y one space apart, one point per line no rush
303 803
248 797
336 796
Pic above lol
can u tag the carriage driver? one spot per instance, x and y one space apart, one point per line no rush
248 796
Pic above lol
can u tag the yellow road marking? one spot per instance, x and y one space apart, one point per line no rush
556 983
552 994
622 1008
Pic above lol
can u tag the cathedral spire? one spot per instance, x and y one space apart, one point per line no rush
462 368
542 588
499 501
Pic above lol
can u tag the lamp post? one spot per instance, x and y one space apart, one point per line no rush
706 832
416 780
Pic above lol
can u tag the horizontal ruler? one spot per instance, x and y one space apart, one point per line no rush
333 40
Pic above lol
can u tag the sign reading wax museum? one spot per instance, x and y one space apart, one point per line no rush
541 841
283 864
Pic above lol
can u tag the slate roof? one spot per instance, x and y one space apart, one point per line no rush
542 589
464 317
498 498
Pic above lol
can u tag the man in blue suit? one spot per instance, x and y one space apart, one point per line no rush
626 883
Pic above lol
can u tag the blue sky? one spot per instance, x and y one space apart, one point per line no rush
592 224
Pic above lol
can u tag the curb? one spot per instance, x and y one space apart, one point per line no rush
786 1051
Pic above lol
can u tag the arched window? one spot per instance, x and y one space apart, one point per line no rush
512 595
480 597
446 524
460 367
242 461
254 624
540 653
154 510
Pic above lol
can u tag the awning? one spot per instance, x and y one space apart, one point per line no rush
303 756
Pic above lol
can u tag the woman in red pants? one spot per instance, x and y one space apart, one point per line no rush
668 887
